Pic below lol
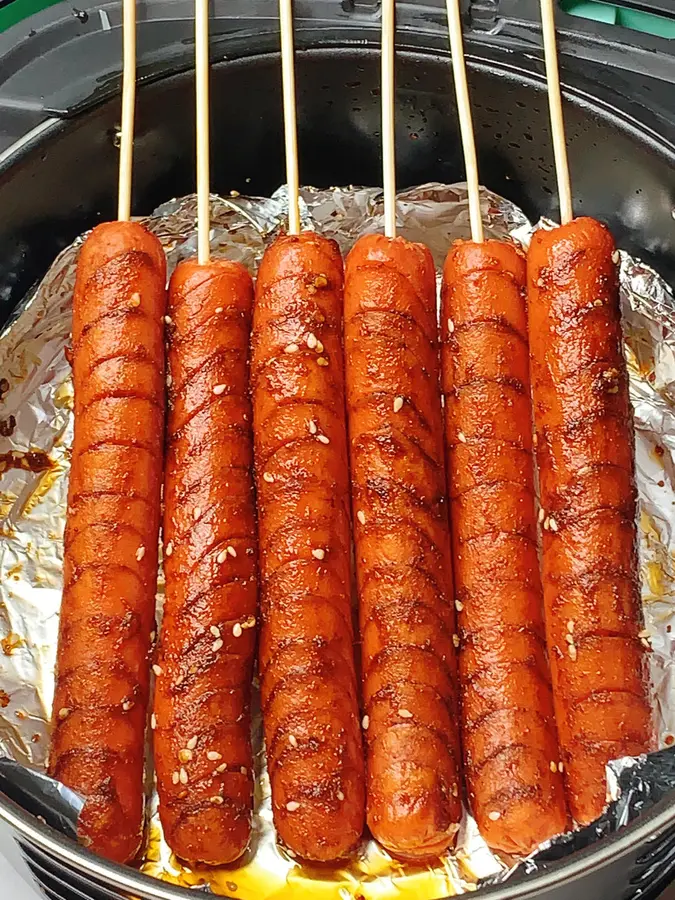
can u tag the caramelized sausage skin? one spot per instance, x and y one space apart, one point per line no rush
402 542
509 739
111 538
584 429
306 657
202 717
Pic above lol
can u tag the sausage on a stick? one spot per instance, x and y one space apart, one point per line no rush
584 430
202 696
402 546
309 689
111 539
509 739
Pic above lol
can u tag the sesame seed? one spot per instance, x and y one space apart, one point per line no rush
196 513
553 766
459 606
541 516
217 645
175 777
461 437
219 309
540 282
180 679
268 477
219 389
183 776
230 549
340 796
455 789
570 626
236 629
318 553
311 341
597 302
405 714
215 631
243 770
168 549
365 722
552 524
213 755
572 650
127 705
323 439
185 755
494 815
569 638
321 281
322 361
157 670
249 622
64 712
140 553
319 347
169 381
221 768
222 556
361 516
616 257
192 743
560 766
398 404
153 721
292 806
291 348
455 640
168 320
451 326
292 740
135 300
312 426
217 800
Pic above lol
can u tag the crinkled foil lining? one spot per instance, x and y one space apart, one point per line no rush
36 420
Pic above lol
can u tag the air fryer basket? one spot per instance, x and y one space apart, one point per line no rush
58 169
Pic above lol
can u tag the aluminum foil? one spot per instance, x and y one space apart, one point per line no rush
36 402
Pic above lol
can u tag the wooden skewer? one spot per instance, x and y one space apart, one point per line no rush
290 114
465 119
388 120
202 89
555 107
128 108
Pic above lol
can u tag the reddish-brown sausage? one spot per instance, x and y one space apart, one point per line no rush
110 546
583 421
509 738
309 688
402 546
202 695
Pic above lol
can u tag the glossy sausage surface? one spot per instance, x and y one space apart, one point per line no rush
509 737
308 681
202 726
403 564
584 427
111 538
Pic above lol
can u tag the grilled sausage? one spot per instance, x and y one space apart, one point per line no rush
202 696
402 541
584 432
509 739
111 539
309 689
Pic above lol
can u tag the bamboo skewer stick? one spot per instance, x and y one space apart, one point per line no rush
290 114
555 108
128 109
465 119
202 115
388 120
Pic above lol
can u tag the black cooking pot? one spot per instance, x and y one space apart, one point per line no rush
59 113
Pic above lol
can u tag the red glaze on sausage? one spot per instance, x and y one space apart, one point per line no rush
509 739
402 546
203 688
309 688
111 539
584 428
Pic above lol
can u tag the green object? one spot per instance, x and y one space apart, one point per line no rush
615 14
17 10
